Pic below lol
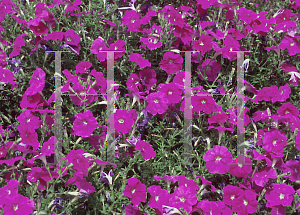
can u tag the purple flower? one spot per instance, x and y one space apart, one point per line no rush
134 140
15 64
106 178
57 203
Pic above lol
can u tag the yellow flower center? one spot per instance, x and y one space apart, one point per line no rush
240 164
274 142
121 120
218 158
203 101
292 44
170 92
281 196
156 100
232 197
85 122
69 39
201 43
245 202
182 199
15 207
286 112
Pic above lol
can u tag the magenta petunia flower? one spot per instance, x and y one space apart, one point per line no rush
37 26
189 183
31 101
133 83
71 38
132 209
157 103
18 43
7 76
293 167
135 190
184 198
151 42
230 45
28 136
291 44
85 188
158 197
281 194
219 118
172 93
246 203
9 190
83 66
203 44
241 167
176 18
3 152
184 33
123 121
179 79
231 193
29 120
288 108
42 175
131 18
146 150
207 3
210 68
101 81
208 207
148 77
80 162
263 176
266 93
18 204
282 94
171 62
119 45
72 6
274 141
56 35
98 45
82 93
203 101
137 58
218 159
37 82
84 124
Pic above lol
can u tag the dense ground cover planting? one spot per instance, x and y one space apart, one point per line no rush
147 172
